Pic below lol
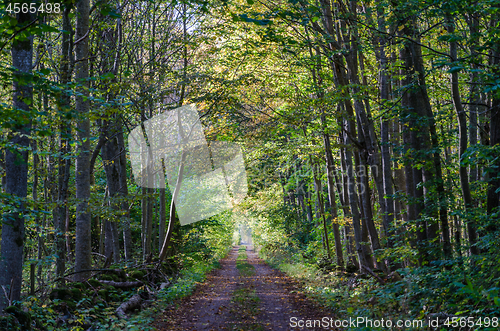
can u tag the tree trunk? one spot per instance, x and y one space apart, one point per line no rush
64 164
365 196
353 198
321 208
344 200
163 218
413 177
83 247
330 169
172 219
462 132
474 93
16 172
123 189
493 200
110 159
384 87
422 128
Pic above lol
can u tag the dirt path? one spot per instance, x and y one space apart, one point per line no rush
215 305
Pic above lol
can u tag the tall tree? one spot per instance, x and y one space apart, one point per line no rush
16 168
83 247
64 164
463 137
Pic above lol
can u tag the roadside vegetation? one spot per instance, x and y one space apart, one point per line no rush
125 296
441 290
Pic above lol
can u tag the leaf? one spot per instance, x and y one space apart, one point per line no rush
455 69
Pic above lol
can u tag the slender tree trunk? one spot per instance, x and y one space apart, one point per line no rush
365 196
344 200
422 138
321 209
163 252
474 93
16 172
64 164
122 174
172 217
353 199
413 176
110 158
462 126
310 218
384 87
163 218
330 169
144 219
368 141
493 200
83 247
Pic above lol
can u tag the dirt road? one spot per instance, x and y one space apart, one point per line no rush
261 299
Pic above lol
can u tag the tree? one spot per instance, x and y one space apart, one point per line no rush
82 180
16 168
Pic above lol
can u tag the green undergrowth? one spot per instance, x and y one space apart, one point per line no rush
182 287
92 305
417 293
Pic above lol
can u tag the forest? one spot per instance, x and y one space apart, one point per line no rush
356 143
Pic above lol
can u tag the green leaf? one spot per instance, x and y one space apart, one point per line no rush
455 69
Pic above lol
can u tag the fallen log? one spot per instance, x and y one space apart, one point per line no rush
370 271
134 302
121 284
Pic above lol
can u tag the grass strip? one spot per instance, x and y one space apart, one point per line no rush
245 268
244 302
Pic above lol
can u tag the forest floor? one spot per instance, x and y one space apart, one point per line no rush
244 294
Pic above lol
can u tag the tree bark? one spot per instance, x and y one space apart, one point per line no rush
111 162
462 132
16 172
172 219
353 198
384 87
64 164
122 174
83 247
330 169
422 139
493 200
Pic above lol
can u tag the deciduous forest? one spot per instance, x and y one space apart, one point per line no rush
370 136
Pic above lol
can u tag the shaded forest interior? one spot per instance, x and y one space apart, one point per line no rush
369 130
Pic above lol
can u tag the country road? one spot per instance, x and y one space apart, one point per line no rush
262 299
